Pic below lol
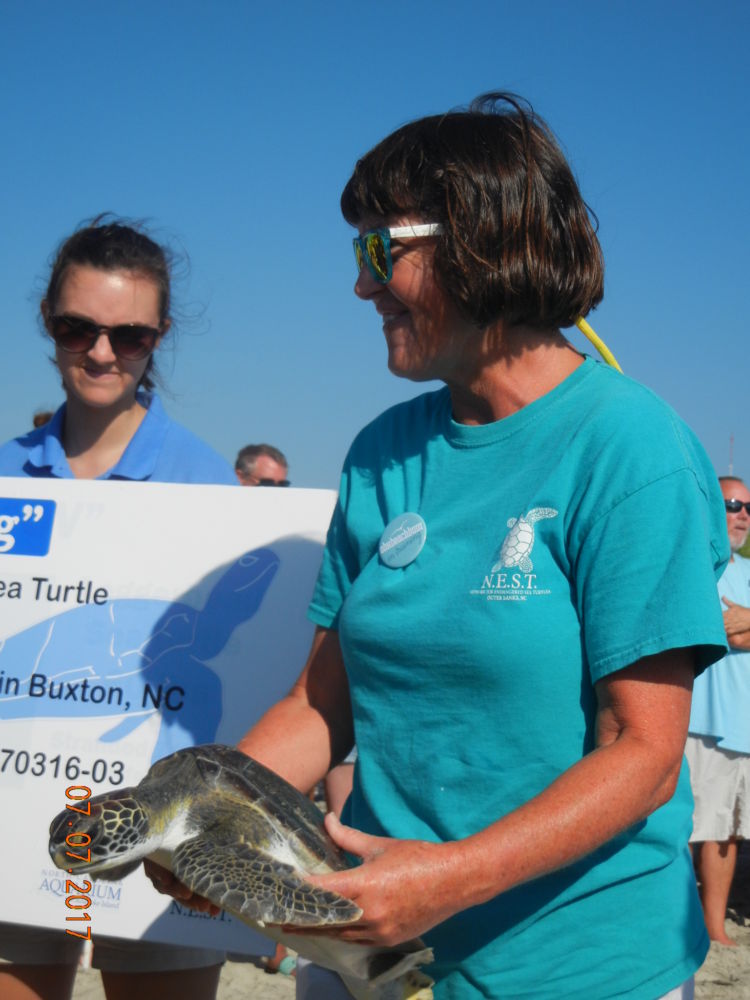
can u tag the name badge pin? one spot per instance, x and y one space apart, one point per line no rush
402 540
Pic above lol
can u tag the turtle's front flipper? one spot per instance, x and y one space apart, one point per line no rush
253 885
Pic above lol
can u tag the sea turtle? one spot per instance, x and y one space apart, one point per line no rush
519 541
241 836
122 650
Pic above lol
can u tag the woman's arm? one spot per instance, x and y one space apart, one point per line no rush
642 722
310 730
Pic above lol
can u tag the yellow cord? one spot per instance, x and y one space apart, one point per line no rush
598 343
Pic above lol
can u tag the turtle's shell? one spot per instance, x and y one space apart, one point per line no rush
215 774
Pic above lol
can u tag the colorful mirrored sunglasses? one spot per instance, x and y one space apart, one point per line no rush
374 247
75 335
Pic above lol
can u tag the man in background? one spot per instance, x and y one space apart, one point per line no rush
261 465
718 744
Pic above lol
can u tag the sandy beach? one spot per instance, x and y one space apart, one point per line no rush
239 981
724 976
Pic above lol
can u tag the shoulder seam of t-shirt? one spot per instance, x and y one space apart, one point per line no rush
629 494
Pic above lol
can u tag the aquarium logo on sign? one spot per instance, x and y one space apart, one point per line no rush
26 526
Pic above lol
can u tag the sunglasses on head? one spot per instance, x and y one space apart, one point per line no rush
75 335
374 247
735 506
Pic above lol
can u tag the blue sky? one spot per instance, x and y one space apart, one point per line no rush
232 127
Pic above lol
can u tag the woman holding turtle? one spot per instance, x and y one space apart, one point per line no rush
107 310
493 627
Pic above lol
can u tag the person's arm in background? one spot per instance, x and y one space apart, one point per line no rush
338 787
737 624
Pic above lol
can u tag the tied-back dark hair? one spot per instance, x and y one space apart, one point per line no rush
109 243
518 242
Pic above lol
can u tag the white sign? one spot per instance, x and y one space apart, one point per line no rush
136 619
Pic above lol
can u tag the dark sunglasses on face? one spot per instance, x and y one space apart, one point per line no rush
273 482
75 335
374 247
735 506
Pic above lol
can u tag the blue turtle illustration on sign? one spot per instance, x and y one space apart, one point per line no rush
134 658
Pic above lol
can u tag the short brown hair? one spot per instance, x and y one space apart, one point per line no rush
519 242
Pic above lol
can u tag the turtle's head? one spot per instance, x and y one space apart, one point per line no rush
105 836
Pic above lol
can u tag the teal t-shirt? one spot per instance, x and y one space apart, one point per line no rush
562 543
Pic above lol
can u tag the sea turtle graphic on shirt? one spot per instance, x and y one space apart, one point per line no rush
518 543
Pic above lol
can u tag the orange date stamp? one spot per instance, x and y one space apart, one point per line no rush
76 896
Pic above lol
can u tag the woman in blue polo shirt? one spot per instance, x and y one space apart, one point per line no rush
107 310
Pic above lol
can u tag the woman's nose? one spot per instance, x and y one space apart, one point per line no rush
101 350
366 286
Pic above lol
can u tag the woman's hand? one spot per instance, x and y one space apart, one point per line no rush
164 881
404 887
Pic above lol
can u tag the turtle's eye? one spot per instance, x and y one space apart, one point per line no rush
58 828
71 837
67 827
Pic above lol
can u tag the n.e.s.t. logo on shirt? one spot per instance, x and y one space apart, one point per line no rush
512 576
